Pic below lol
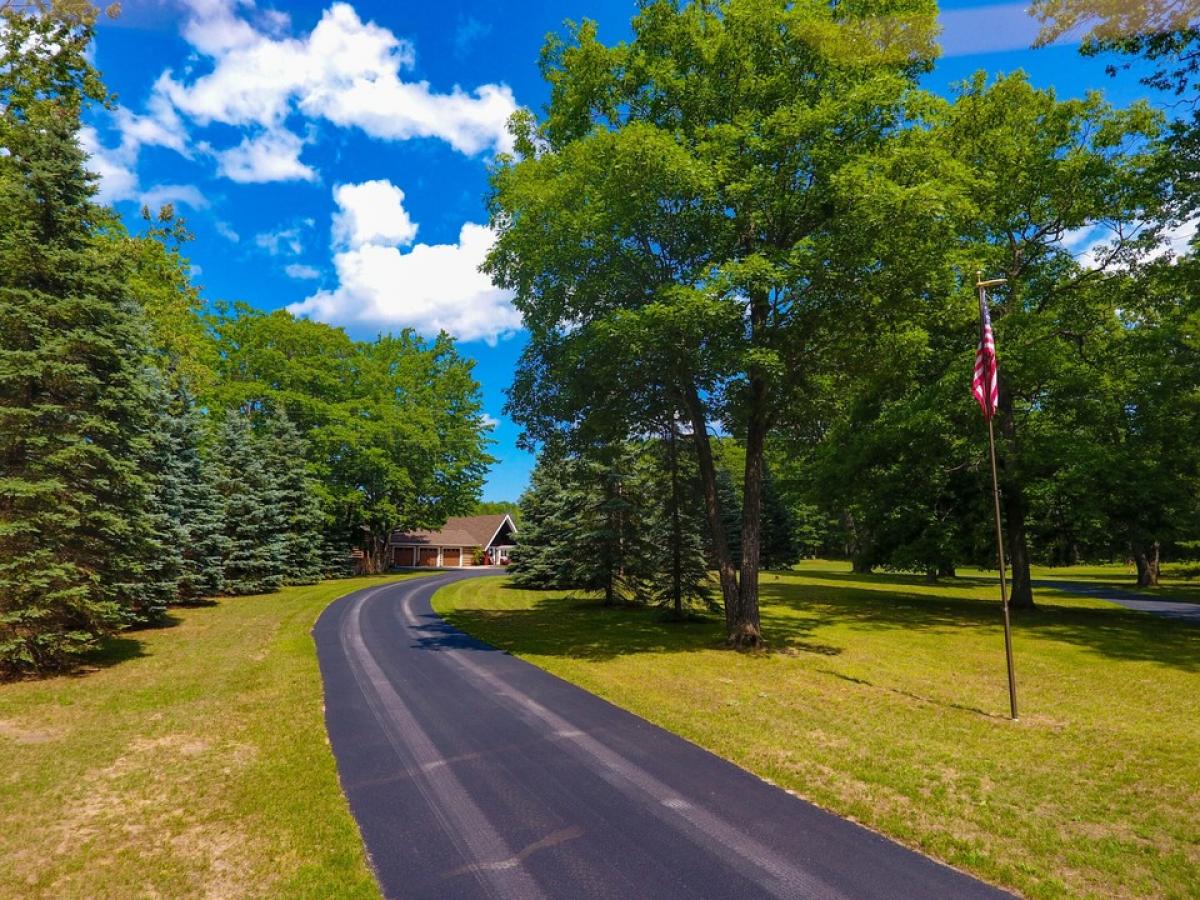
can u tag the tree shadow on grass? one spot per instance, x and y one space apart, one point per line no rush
794 615
1115 632
112 652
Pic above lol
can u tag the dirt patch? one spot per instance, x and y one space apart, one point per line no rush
21 734
146 809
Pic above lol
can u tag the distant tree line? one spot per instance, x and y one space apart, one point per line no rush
155 450
627 522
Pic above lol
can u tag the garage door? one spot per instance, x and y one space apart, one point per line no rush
451 556
403 556
428 556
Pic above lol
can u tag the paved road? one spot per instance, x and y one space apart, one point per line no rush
474 774
1168 609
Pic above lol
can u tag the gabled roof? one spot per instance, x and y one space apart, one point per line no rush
459 531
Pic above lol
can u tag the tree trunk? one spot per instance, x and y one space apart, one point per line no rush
746 630
946 570
1147 565
859 561
712 505
1012 495
374 559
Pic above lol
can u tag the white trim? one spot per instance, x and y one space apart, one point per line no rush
511 524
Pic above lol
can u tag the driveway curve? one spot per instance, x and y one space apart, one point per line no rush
474 774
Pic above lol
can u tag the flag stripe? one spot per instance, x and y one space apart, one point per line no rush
984 380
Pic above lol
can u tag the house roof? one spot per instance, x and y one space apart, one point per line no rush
459 531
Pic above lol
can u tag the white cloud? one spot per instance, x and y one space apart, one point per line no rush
1098 246
489 421
371 213
1178 239
345 71
287 241
118 180
116 168
273 155
302 272
176 194
225 230
431 288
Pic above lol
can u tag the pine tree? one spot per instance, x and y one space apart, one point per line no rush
602 540
780 549
674 525
538 560
300 507
254 523
203 541
162 551
75 521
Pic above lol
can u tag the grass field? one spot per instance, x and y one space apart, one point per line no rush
185 761
883 698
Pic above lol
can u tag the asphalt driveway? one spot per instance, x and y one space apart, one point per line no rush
474 774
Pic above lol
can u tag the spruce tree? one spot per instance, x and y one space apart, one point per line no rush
602 541
254 525
674 525
300 506
162 551
539 560
75 410
203 541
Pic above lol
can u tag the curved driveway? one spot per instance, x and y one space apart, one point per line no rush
474 774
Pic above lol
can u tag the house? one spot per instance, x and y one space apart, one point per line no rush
458 543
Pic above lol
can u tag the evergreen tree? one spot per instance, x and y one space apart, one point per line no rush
602 540
538 560
780 549
674 525
300 506
75 519
158 583
254 524
203 541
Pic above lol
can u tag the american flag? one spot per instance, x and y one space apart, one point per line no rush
983 385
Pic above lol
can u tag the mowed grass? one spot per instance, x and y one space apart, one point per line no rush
190 760
884 699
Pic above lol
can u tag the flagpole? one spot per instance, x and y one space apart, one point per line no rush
981 287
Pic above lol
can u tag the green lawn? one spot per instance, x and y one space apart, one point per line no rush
190 760
884 699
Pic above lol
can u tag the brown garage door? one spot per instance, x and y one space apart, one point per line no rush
451 556
428 556
403 556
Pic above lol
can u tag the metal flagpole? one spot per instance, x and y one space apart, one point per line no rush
982 287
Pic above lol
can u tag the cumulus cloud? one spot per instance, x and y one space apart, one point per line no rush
345 71
371 213
116 169
260 78
430 287
113 166
273 155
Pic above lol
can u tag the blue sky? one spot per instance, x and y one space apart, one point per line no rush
332 157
